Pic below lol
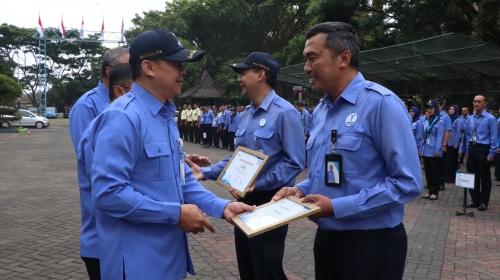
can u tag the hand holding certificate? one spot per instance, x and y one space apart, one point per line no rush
242 170
273 214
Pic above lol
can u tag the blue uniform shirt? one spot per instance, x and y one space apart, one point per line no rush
418 132
446 119
86 108
273 128
484 127
381 167
209 117
456 127
233 122
137 191
203 115
436 137
216 120
305 118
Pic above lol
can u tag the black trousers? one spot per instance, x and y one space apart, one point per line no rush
497 166
432 166
451 163
232 135
360 254
196 133
215 136
442 167
261 257
478 164
189 130
224 135
93 268
207 131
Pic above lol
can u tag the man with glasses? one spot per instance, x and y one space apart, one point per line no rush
86 108
145 197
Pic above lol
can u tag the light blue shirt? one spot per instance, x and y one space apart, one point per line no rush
216 120
331 177
435 136
209 117
447 121
137 191
381 167
456 128
233 123
418 132
273 128
305 118
484 127
86 108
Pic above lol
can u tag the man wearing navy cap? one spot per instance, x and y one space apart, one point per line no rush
145 196
365 127
268 125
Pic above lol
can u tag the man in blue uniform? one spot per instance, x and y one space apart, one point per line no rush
479 148
86 108
268 125
146 201
367 129
120 81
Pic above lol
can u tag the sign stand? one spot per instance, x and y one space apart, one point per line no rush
466 181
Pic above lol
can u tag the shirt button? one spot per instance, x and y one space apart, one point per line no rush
159 150
317 172
331 115
323 143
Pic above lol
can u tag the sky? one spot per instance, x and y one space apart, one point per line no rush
24 13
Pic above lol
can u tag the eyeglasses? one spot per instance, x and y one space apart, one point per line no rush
464 110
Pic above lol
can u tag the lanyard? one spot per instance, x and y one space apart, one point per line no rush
476 125
429 128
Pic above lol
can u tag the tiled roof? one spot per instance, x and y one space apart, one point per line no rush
205 88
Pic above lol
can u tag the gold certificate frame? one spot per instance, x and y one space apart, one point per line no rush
242 170
273 214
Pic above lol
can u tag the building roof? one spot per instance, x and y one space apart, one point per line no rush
205 88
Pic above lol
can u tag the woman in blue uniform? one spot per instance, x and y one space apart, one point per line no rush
431 150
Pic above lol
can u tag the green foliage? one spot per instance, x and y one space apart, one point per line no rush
10 90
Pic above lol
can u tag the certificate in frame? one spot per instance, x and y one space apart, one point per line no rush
273 214
242 170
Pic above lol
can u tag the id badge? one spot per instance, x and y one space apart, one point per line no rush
204 135
333 170
427 141
474 139
181 171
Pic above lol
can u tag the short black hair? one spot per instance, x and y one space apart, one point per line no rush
301 104
136 71
340 37
121 74
270 80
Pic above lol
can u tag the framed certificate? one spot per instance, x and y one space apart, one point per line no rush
273 214
242 170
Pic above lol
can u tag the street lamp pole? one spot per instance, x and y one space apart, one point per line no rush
19 98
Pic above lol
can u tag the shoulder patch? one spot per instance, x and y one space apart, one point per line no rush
378 88
282 103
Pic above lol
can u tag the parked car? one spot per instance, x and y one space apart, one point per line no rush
28 119
51 113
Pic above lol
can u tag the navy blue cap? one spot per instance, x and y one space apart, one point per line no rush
160 44
259 60
432 103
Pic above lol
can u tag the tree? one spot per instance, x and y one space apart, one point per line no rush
10 90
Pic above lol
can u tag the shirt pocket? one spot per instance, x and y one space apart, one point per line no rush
158 162
348 146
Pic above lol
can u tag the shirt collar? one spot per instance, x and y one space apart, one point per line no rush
265 103
154 105
103 90
350 93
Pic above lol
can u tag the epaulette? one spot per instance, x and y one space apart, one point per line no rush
377 88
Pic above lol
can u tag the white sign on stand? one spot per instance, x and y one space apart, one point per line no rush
465 180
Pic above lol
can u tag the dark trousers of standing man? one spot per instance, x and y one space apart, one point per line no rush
208 133
232 135
442 167
196 133
215 136
497 166
260 257
224 136
360 254
432 168
478 164
451 163
189 129
93 268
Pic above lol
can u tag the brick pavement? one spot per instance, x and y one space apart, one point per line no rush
40 218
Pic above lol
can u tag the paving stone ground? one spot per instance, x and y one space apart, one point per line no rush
40 221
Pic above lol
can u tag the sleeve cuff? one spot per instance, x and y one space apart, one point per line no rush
171 213
344 207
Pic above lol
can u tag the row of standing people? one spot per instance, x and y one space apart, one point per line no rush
442 138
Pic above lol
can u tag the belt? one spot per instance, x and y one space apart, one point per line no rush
480 145
333 234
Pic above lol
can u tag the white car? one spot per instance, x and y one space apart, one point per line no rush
28 119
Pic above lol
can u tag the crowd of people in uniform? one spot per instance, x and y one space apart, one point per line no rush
445 136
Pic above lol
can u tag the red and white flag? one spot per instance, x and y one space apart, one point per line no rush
39 28
62 29
102 28
81 29
123 32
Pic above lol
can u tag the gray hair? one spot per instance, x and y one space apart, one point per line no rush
111 58
340 37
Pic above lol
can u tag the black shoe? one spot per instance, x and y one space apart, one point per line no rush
472 204
482 207
425 196
441 187
215 147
